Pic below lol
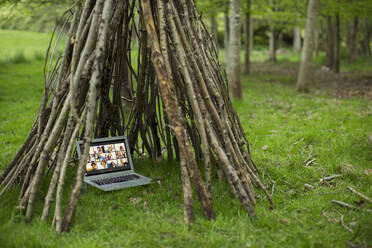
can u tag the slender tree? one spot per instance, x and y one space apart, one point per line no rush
233 66
333 43
272 43
251 34
352 37
247 37
305 75
297 39
214 27
226 14
366 34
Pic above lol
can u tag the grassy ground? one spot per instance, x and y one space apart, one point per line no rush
284 129
23 47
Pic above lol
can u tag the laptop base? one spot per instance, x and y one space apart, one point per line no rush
140 180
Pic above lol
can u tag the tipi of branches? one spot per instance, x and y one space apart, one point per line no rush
145 69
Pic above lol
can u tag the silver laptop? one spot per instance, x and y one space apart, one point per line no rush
109 166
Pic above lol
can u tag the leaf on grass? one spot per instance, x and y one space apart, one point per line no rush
135 200
302 139
264 148
291 192
158 181
360 202
368 172
284 221
347 169
159 159
353 224
115 206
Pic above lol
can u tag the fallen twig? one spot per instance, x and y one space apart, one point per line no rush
343 224
272 187
335 220
329 178
310 162
308 186
329 218
360 194
328 193
343 204
347 205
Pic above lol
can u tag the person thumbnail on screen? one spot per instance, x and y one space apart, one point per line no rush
91 166
102 165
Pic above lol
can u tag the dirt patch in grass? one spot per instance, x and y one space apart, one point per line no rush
346 84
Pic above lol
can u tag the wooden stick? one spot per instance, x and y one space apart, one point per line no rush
61 178
335 220
192 96
101 52
172 110
343 223
366 198
44 158
60 157
327 179
343 204
347 205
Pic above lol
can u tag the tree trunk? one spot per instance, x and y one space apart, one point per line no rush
330 43
366 34
297 40
272 44
214 28
322 37
233 67
247 38
305 72
280 40
333 44
352 37
227 33
317 42
251 34
336 65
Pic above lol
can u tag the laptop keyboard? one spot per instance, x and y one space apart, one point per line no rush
119 179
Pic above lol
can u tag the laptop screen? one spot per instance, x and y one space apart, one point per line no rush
107 156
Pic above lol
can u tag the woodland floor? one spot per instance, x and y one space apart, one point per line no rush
350 82
285 130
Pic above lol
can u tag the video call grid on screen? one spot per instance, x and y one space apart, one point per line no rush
104 157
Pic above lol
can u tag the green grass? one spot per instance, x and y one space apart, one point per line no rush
273 114
20 47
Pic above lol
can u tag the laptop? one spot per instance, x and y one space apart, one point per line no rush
109 166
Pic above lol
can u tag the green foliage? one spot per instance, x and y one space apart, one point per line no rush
282 14
347 8
291 125
211 7
31 16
